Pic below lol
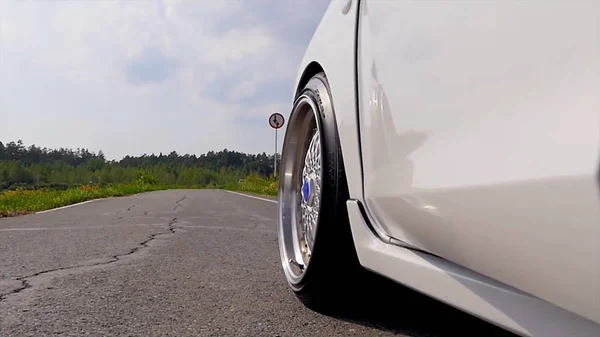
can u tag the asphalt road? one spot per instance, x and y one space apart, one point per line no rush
181 263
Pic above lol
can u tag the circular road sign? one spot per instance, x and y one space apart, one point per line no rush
276 120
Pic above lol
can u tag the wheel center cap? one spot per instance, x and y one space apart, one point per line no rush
307 189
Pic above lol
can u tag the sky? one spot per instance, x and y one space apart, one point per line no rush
150 76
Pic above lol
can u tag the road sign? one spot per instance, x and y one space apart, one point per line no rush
276 120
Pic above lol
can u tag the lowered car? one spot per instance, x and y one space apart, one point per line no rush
454 148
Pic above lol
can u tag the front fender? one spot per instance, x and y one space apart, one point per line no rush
333 51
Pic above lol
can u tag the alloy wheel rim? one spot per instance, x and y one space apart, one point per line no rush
300 189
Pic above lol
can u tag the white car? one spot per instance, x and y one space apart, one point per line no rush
453 147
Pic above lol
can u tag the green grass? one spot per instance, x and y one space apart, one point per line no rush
24 201
255 185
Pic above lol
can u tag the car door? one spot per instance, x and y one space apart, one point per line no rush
480 133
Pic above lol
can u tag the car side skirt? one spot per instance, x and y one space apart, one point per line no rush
464 289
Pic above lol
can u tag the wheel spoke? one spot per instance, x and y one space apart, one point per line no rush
311 174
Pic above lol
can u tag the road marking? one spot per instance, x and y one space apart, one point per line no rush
251 196
68 206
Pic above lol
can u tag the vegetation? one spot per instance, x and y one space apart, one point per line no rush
255 184
34 179
20 201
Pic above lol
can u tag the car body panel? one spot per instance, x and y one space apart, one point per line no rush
333 48
480 134
447 282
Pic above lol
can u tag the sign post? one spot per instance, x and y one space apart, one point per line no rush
276 121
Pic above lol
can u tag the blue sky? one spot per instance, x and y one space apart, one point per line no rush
133 77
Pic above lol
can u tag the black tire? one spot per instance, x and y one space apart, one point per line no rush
334 269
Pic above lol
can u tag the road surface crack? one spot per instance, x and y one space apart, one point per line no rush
178 202
144 244
26 280
128 210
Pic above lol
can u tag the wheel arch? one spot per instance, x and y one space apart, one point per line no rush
310 70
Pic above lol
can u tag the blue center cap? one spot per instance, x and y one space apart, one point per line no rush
306 189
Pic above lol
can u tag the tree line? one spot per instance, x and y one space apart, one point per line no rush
34 166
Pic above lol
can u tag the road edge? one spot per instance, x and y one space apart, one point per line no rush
69 206
263 198
251 196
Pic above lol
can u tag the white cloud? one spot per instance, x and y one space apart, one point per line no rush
243 89
272 107
134 77
238 45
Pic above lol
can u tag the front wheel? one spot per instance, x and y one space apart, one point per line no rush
315 241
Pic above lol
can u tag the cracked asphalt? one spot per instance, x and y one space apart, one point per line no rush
182 263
